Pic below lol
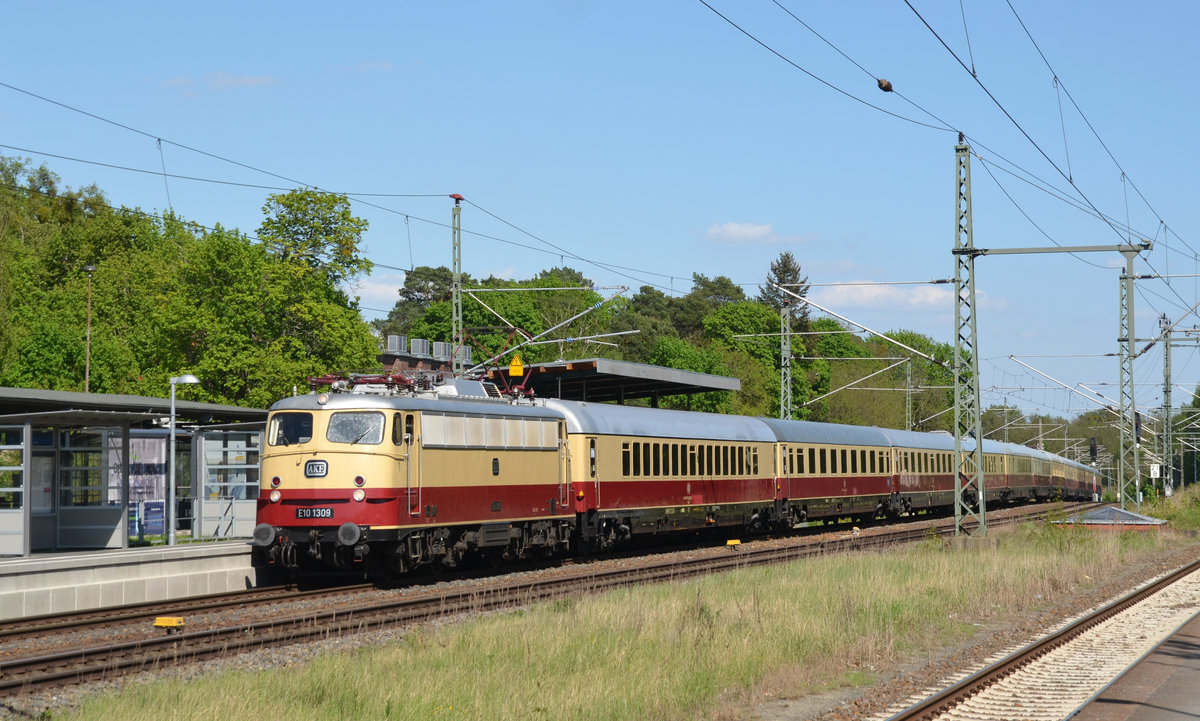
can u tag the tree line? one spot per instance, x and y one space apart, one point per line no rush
250 318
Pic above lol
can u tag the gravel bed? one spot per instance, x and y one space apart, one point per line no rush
36 705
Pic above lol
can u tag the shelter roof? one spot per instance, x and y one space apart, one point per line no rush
68 408
604 379
1113 516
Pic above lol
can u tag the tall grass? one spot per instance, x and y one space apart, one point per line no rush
699 649
1182 509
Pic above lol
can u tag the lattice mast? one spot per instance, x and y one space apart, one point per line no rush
1127 467
969 497
785 360
457 339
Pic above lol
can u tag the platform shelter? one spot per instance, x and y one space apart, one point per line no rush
87 470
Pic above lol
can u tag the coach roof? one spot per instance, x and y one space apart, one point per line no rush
831 433
606 419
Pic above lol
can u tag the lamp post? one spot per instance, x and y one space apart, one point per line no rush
87 346
170 511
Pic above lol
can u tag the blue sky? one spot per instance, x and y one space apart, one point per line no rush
657 140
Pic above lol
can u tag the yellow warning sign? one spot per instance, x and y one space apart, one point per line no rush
516 368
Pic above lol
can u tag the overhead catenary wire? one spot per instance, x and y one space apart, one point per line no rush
820 80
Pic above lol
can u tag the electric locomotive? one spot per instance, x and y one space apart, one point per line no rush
393 477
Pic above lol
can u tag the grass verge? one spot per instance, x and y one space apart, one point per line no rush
699 649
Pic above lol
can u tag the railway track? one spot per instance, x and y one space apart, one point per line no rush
375 611
1058 674
134 614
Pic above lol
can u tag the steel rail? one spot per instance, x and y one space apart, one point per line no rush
950 697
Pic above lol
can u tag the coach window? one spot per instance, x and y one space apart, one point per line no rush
853 462
592 455
812 461
691 460
824 461
656 461
800 461
645 459
741 461
754 461
625 459
674 459
666 459
871 460
833 460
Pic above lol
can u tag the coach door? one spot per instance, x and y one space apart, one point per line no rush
784 468
564 468
405 434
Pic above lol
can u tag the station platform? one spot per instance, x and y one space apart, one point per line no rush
65 582
1163 686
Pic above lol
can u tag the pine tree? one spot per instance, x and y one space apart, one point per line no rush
786 272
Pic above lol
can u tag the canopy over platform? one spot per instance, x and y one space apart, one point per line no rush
605 380
67 408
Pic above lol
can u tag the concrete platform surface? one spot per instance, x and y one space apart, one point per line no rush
64 582
1164 686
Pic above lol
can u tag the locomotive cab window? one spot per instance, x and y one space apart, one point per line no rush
290 428
402 428
355 427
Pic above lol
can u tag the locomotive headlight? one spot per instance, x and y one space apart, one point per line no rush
359 494
323 398
275 482
359 481
275 496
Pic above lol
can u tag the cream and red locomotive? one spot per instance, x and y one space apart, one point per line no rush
384 474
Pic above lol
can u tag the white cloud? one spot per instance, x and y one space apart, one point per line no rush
222 81
379 292
505 273
756 233
925 298
370 65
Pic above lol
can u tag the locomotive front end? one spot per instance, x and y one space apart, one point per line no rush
328 486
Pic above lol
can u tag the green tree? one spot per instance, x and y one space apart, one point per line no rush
708 294
677 353
315 229
423 285
785 271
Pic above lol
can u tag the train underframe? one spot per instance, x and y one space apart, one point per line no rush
383 553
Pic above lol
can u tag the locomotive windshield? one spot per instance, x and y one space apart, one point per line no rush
355 428
289 428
